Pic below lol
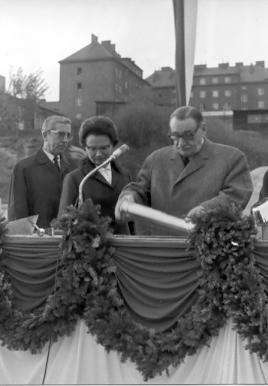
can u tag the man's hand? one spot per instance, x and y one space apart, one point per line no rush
119 214
196 211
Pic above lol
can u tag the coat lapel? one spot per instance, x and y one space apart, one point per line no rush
42 159
196 162
88 166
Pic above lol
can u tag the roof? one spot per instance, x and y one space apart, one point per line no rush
245 73
92 51
102 51
162 78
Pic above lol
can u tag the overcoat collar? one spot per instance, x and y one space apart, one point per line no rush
196 162
42 159
87 166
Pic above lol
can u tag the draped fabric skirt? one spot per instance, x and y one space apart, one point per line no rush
158 280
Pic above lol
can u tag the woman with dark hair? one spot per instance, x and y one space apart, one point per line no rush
98 136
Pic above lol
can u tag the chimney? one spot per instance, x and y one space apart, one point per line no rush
200 66
224 65
107 44
260 63
166 69
94 38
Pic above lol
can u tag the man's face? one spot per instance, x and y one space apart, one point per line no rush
186 135
98 148
57 138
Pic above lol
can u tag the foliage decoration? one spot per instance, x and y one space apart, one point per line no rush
86 287
58 316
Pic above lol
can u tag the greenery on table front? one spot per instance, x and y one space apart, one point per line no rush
86 287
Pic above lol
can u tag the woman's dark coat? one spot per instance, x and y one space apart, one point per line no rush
96 188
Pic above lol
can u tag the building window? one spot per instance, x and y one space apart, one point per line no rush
227 93
78 116
227 79
260 91
79 86
243 87
79 70
215 106
78 101
226 106
202 94
202 107
261 105
202 80
126 84
118 73
215 93
244 98
215 80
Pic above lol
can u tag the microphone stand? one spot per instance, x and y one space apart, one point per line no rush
90 174
114 155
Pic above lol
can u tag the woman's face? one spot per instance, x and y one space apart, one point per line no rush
98 148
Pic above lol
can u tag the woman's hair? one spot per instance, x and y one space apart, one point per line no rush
98 125
185 112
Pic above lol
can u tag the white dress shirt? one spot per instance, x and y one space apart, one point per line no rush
106 172
52 156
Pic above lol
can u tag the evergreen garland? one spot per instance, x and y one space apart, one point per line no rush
86 287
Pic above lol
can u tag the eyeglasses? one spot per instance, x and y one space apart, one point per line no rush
186 136
95 149
62 135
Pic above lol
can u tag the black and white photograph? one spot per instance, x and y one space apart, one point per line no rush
133 192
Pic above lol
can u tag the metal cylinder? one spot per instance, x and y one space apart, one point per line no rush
156 216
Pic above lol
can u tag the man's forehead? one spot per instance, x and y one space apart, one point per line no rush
59 126
180 125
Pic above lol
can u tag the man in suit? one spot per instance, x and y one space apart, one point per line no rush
192 175
36 181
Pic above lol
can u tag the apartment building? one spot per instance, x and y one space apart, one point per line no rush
96 79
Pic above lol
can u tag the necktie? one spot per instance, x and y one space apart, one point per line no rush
185 160
56 162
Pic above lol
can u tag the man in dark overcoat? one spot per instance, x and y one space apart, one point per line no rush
190 176
36 181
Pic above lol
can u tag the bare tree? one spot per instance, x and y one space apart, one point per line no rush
27 86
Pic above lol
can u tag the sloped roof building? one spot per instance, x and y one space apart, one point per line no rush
96 78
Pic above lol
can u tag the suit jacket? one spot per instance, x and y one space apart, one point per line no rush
35 188
96 188
217 174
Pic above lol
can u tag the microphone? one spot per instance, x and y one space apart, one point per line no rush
121 150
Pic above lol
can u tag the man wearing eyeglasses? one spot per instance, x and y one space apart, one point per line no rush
190 176
36 182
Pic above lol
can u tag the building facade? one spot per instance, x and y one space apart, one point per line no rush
2 84
242 89
97 78
225 87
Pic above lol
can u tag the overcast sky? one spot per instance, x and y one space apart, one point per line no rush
36 34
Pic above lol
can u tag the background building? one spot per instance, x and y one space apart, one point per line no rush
2 84
96 80
242 89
